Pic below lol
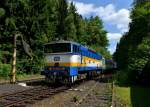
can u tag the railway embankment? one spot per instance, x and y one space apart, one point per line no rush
95 93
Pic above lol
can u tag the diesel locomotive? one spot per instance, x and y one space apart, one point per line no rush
68 61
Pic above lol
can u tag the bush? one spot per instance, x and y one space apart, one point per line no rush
5 70
124 77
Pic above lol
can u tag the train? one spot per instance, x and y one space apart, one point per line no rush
110 64
68 61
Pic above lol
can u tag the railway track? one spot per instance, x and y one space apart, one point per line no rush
30 96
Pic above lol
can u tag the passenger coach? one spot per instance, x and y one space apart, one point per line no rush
68 61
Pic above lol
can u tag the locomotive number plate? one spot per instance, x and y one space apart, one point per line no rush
56 58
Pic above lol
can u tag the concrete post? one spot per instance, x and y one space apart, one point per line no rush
13 72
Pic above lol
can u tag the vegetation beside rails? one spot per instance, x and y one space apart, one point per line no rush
29 76
5 70
133 59
130 95
122 96
22 77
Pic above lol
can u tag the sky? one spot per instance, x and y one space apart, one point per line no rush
115 15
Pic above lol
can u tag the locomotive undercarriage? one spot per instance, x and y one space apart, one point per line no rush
60 79
66 79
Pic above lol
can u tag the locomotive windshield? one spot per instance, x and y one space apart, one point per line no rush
57 48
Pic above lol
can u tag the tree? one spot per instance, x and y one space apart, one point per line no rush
70 28
137 2
35 20
132 53
61 9
40 22
96 33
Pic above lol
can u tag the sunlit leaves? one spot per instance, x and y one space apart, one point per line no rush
12 22
2 12
133 51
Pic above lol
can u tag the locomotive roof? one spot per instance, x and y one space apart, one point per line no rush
64 41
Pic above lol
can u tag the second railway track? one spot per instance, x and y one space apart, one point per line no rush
30 96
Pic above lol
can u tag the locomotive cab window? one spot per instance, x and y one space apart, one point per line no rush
57 48
75 48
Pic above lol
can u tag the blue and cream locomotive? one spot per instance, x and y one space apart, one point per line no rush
68 61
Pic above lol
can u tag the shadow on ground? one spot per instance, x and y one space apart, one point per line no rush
140 96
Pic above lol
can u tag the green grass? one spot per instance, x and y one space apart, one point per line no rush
123 93
23 77
5 70
133 96
28 76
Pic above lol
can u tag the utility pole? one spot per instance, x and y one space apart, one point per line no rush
13 72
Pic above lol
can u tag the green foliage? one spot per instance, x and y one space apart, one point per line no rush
95 32
75 99
70 28
133 51
0 57
120 77
40 22
102 50
141 58
96 36
61 16
139 2
2 12
5 70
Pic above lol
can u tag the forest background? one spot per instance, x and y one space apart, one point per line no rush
40 22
